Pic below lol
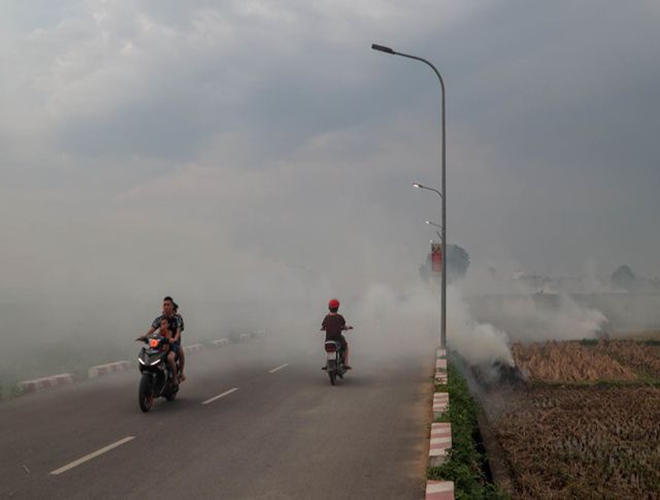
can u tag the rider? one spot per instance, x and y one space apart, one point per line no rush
165 331
333 324
174 327
182 357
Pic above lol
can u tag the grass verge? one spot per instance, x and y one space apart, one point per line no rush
466 464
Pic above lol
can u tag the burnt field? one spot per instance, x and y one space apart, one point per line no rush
585 422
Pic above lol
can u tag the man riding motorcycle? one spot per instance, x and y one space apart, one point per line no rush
333 324
175 326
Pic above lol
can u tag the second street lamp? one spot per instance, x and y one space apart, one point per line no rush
434 224
443 286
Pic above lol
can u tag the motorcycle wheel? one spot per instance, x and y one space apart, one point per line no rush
332 374
146 394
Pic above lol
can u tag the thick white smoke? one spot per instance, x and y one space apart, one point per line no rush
504 319
478 343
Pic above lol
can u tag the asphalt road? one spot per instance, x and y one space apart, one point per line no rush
276 429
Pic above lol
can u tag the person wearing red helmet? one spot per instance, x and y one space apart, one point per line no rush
333 324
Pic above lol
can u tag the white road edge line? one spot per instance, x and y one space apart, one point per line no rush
95 454
226 393
278 368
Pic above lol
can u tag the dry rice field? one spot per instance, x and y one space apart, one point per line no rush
587 425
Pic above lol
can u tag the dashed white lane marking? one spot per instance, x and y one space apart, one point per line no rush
89 457
278 368
226 393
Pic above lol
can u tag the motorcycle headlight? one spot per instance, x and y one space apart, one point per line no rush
154 362
141 362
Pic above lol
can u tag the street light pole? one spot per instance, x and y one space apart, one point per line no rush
443 195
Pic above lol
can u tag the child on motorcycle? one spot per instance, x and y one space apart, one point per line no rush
165 331
333 324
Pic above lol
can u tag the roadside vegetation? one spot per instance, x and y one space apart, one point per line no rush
467 465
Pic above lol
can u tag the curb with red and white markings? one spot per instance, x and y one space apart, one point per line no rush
39 384
193 348
439 490
49 382
440 404
440 443
440 438
108 368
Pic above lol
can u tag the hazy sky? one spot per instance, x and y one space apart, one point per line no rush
211 148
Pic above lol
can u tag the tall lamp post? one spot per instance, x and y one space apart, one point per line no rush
443 195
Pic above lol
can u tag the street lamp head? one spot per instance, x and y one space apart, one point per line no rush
417 185
382 48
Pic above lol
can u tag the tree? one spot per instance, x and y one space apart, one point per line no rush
623 277
458 262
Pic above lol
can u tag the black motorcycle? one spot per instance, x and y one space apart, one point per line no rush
157 377
334 356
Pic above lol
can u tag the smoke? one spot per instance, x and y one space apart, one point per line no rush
478 343
392 323
482 328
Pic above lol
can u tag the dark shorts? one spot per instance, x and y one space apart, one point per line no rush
174 346
341 340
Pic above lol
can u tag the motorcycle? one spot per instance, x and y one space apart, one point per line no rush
157 378
334 357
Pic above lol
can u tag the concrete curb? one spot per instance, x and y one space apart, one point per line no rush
440 439
193 348
439 490
40 384
440 404
220 342
441 367
440 443
108 368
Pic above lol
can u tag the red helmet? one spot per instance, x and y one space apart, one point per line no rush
333 304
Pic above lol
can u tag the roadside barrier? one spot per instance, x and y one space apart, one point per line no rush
108 368
193 348
439 490
40 384
440 438
43 383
